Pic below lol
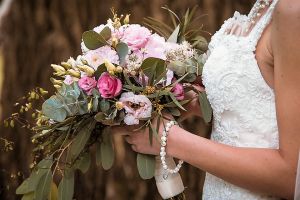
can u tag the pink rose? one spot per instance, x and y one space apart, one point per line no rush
136 36
178 91
109 86
87 84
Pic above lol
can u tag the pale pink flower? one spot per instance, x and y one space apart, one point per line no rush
136 36
68 80
95 58
178 91
170 76
109 86
156 47
87 84
137 107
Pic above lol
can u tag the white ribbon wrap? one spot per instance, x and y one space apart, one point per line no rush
171 185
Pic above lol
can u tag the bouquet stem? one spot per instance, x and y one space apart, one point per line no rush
170 186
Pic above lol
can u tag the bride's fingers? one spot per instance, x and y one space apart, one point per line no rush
120 130
128 139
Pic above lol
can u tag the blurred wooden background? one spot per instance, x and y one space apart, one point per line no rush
36 33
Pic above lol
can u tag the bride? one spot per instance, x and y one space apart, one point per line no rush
252 81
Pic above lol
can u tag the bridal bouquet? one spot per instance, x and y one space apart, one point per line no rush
126 75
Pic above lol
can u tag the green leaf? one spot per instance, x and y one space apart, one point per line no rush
104 106
205 107
176 101
175 112
81 138
83 163
100 70
53 109
28 196
44 186
66 186
122 50
53 195
190 78
153 68
98 153
146 165
174 36
30 184
70 90
94 40
178 67
107 149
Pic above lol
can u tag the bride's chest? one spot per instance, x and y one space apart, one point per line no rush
232 76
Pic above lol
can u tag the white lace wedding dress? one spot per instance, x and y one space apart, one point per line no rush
243 104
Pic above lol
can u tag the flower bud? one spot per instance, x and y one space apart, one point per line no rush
73 73
90 105
88 70
111 72
119 69
58 68
66 65
119 105
126 19
57 86
55 81
114 41
109 66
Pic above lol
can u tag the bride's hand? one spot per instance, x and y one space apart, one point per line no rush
139 139
193 107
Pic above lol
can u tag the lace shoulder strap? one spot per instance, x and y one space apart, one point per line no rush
258 29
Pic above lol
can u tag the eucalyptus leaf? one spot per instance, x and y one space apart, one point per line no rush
177 67
30 184
66 186
205 107
146 165
107 149
28 196
94 40
122 50
44 186
190 78
83 163
153 68
81 138
100 70
104 106
53 195
98 153
53 109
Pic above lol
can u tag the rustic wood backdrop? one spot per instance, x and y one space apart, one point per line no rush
36 33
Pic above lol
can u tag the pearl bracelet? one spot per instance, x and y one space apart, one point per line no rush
163 149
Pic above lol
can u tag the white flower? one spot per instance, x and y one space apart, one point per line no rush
179 52
137 107
156 47
95 58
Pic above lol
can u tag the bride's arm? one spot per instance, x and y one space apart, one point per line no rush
263 170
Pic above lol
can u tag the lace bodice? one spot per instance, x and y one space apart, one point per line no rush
243 104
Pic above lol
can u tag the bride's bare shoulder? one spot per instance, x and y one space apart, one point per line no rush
288 10
287 23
